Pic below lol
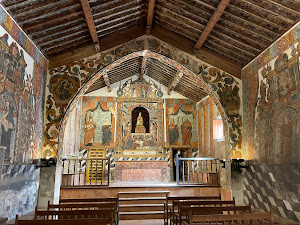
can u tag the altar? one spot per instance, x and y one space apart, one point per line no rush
141 171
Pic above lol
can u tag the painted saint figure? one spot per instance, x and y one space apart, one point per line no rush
89 128
186 131
173 132
106 132
7 127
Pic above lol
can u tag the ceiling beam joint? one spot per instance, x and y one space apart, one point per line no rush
175 82
90 22
106 80
211 23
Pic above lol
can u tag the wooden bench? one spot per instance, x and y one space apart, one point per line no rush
75 214
91 201
185 211
232 219
171 204
86 221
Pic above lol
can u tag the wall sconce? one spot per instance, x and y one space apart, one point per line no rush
236 166
47 162
223 162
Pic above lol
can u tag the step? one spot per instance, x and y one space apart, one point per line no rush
142 200
141 215
132 194
141 207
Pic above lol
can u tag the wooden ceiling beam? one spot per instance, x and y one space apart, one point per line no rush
211 23
150 16
90 22
53 21
106 43
106 80
203 54
174 83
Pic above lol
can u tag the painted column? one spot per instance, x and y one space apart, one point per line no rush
160 127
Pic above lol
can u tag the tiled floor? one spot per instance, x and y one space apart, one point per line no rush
141 222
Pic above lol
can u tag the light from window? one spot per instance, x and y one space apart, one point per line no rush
218 132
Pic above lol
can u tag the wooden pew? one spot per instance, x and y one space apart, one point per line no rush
232 219
171 204
81 206
74 214
90 201
86 221
185 211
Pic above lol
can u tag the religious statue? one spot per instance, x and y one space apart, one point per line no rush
106 132
89 127
186 131
140 128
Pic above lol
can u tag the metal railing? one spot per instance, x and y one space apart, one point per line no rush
86 172
198 171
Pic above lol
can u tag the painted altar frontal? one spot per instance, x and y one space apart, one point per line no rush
131 128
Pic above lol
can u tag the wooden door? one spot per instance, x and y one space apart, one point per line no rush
95 166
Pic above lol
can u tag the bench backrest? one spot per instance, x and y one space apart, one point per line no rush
87 200
186 211
76 206
96 221
247 218
75 214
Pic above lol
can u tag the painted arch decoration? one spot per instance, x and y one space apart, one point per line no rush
161 58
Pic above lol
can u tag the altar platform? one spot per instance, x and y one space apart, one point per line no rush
114 188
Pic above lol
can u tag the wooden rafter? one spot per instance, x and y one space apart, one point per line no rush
150 16
56 20
90 22
175 82
106 80
211 23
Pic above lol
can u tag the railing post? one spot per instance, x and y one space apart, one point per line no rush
108 172
177 171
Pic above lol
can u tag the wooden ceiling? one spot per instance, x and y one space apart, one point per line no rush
229 32
165 74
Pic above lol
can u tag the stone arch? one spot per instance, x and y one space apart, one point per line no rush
161 58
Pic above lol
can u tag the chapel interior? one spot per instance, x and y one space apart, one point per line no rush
149 112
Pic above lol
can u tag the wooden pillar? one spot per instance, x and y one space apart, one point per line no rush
119 124
160 125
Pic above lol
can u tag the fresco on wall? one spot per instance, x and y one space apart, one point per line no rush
20 107
271 126
219 81
76 74
223 84
278 106
182 122
97 121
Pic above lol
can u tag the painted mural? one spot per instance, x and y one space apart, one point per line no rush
98 121
22 72
222 83
182 122
64 81
271 110
227 87
140 117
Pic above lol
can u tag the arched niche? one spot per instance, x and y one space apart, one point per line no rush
145 115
